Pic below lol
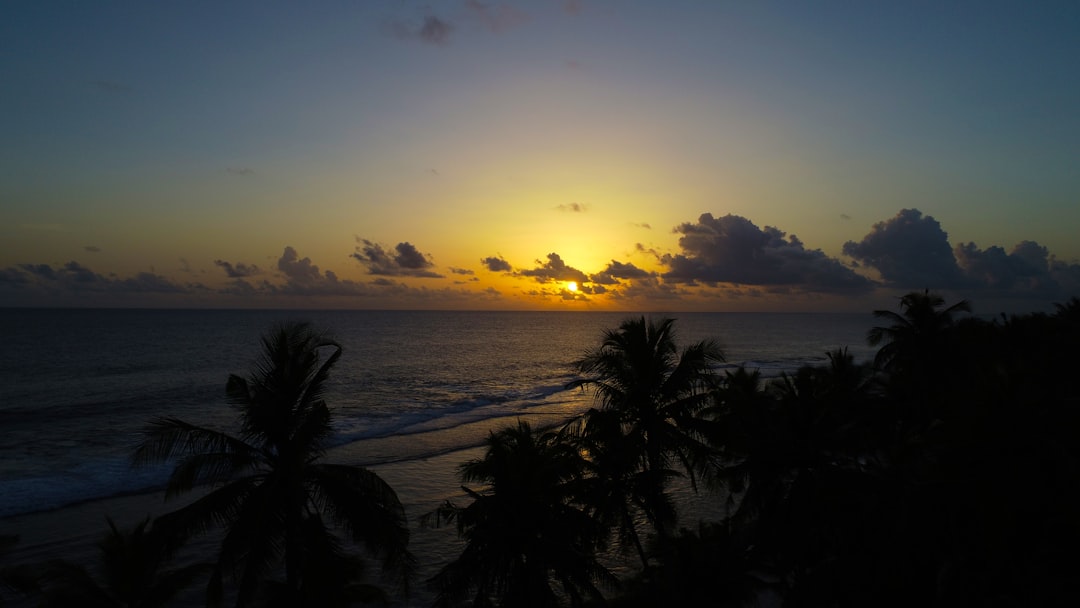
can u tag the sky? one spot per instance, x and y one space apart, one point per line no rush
545 155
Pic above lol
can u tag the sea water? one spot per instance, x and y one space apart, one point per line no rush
413 394
77 387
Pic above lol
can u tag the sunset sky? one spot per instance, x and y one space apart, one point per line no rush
579 155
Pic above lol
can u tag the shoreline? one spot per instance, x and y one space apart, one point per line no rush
72 532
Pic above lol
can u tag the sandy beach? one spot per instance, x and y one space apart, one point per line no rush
72 532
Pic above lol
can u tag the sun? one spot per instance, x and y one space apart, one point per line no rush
571 285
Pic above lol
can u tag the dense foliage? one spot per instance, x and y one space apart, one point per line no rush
942 473
278 503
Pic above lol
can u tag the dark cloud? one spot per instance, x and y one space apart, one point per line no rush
555 270
302 277
644 225
572 208
616 272
75 284
431 30
240 170
498 18
909 250
240 270
148 282
39 270
300 271
92 249
648 288
1026 270
74 278
641 248
464 271
1067 277
496 264
731 249
845 216
408 261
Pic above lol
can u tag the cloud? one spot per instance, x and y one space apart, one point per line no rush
238 271
572 7
408 261
643 225
1067 277
431 30
650 251
464 271
498 18
1028 269
243 171
302 277
644 289
148 282
572 208
615 272
296 269
555 270
845 216
910 251
731 249
73 278
496 264
92 249
298 278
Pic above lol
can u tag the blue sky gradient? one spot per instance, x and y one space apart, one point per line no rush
662 156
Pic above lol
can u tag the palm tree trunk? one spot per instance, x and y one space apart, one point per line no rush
634 536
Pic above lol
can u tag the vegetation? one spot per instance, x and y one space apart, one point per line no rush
648 422
132 574
942 473
278 503
527 530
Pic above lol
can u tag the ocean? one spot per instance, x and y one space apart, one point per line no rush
414 393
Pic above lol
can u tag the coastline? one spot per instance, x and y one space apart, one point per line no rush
71 532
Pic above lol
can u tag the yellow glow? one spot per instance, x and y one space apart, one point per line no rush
571 285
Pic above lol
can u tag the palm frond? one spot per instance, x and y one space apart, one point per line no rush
208 468
312 432
166 438
216 508
367 508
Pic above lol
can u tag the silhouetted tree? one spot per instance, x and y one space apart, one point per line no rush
526 530
914 349
712 566
270 490
132 574
648 422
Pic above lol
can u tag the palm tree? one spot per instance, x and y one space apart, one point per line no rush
526 530
132 574
915 332
710 566
650 398
270 491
